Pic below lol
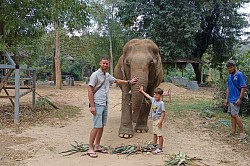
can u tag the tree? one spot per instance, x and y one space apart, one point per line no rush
187 28
72 14
23 21
19 23
110 27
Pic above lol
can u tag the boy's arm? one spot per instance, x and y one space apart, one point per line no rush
162 116
145 94
161 119
162 113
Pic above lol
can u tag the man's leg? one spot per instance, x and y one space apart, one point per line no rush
239 123
92 138
233 121
94 132
104 113
98 138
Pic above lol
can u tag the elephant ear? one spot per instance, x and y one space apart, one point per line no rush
119 68
158 66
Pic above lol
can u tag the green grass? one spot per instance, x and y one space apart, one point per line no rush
67 111
178 105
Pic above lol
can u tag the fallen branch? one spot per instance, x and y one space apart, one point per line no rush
48 101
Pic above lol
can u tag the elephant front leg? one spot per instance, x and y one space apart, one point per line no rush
126 127
141 125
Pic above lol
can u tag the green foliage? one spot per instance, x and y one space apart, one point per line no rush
42 102
186 71
187 28
170 24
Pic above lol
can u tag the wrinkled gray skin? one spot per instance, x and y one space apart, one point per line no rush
141 59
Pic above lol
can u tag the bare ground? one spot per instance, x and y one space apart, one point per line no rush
41 144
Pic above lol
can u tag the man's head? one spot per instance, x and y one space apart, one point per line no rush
158 92
231 66
104 63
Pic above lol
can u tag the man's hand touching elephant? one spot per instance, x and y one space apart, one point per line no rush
133 81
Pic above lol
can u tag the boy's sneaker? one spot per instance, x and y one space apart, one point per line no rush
242 136
157 151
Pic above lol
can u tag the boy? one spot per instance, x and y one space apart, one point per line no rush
157 113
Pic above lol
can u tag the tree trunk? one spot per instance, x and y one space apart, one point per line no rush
221 72
110 21
111 55
209 78
58 83
53 67
2 37
197 72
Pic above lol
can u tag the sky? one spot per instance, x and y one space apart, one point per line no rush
246 9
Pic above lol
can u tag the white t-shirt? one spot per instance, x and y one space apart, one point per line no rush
157 107
96 79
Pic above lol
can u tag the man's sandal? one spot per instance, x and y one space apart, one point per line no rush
92 154
101 150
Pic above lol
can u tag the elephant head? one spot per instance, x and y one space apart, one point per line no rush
141 59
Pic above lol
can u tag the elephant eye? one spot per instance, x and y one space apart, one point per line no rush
127 63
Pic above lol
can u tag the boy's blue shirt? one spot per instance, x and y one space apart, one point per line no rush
233 92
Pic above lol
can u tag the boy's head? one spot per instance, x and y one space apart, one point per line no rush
158 92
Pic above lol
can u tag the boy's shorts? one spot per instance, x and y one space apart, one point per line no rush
233 109
156 129
100 118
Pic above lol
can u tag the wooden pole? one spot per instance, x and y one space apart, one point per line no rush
34 88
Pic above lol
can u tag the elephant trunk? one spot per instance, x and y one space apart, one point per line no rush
136 97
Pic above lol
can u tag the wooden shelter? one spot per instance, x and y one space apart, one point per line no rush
181 62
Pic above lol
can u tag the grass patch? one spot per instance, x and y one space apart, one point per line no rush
67 111
179 105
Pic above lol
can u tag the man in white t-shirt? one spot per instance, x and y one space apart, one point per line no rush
98 91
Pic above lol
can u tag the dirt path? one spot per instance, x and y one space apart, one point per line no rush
49 141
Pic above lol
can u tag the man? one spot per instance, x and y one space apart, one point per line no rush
98 91
236 87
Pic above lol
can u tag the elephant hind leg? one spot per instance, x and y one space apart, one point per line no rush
141 125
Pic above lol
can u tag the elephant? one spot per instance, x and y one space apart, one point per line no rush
141 59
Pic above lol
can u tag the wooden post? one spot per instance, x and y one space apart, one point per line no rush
17 99
34 88
201 73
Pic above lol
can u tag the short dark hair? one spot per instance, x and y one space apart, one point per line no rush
104 58
158 91
230 63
